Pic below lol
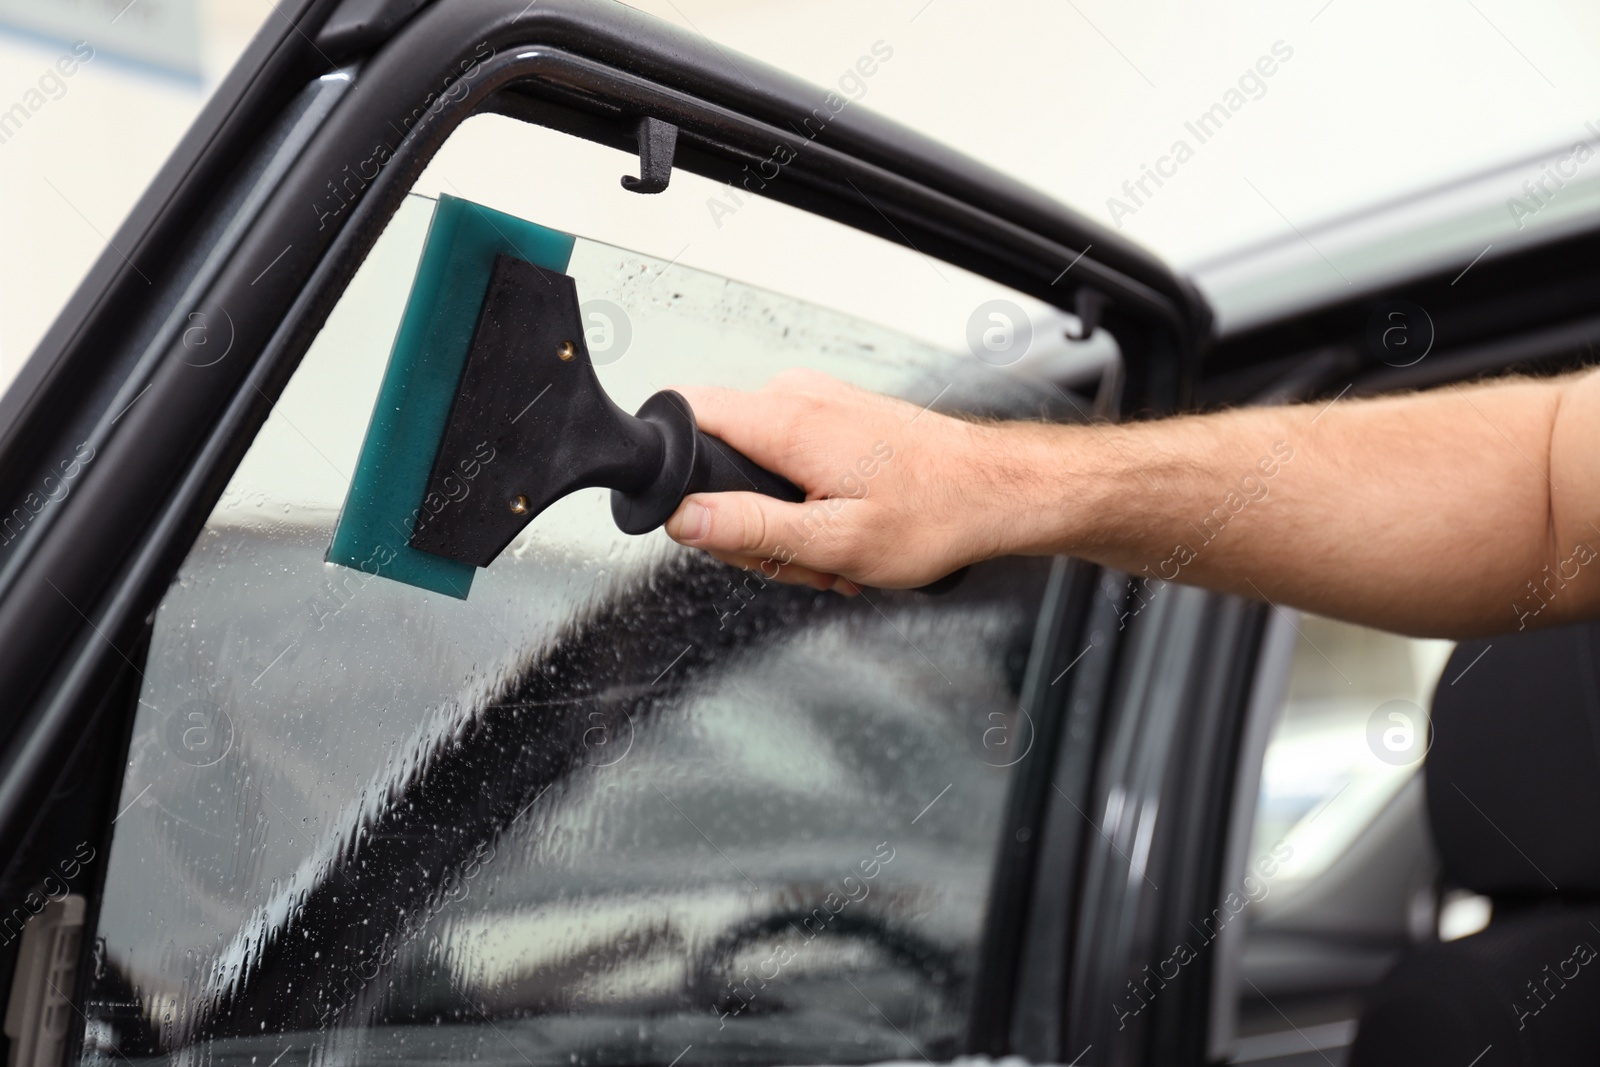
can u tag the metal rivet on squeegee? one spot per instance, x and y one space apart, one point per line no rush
519 505
568 351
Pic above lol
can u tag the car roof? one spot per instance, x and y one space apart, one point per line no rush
1531 200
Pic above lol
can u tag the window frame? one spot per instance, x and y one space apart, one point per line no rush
1162 789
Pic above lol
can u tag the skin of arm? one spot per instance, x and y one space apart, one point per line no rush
1461 511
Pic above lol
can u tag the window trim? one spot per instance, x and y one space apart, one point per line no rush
1163 781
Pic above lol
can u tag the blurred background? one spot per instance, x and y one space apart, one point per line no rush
1367 99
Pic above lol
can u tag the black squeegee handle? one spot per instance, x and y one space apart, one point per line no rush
719 468
695 462
692 461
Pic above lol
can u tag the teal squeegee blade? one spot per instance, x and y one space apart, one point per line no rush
409 419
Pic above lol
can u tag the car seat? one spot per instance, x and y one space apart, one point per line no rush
1513 792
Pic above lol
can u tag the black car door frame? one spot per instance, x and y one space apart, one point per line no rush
123 429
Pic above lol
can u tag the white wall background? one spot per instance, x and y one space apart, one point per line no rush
1072 96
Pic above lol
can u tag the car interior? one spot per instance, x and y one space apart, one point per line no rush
623 806
1507 797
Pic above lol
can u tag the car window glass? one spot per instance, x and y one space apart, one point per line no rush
619 803
730 230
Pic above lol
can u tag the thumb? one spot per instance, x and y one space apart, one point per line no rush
743 524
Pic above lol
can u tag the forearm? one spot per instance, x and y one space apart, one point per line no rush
1464 510
1432 513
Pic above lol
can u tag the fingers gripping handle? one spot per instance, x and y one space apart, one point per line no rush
720 469
696 462
693 462
727 471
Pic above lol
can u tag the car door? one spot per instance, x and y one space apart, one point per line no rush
621 803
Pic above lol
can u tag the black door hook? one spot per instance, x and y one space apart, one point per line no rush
657 142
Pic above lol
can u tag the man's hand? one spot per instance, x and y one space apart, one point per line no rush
1465 510
896 496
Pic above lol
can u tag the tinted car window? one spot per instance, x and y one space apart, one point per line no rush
620 803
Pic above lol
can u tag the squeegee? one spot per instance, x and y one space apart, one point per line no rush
490 411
